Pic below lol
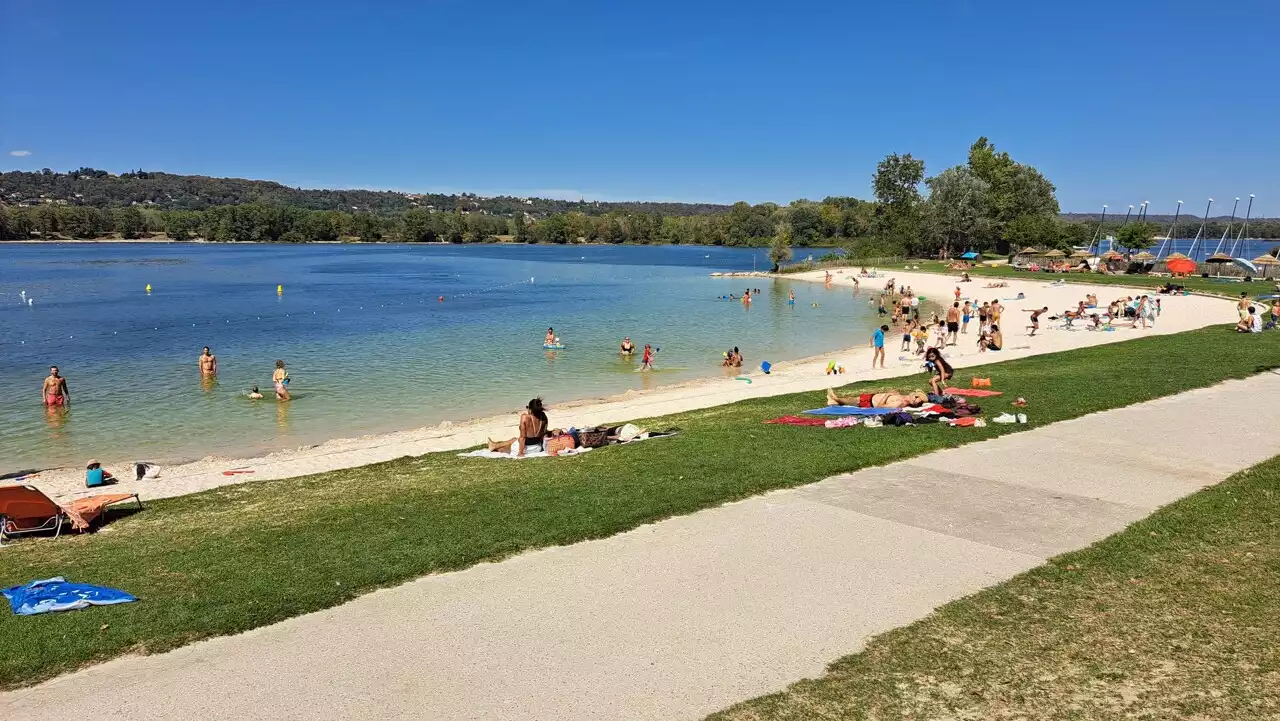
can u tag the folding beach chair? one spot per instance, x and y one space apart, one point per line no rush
25 509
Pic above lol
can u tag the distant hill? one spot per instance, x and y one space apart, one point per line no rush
165 191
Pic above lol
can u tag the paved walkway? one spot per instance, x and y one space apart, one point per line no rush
680 618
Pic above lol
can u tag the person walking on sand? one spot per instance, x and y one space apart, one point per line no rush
208 363
953 323
957 294
1035 320
965 313
877 343
54 392
280 378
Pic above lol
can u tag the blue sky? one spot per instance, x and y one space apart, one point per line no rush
1117 102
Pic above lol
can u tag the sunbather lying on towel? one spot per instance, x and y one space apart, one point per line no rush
882 399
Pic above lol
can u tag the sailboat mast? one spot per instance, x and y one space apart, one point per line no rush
1244 228
1227 232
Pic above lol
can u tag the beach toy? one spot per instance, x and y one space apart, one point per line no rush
743 378
765 366
553 346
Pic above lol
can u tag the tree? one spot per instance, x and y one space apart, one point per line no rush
366 227
1036 231
780 248
805 221
415 226
519 227
958 211
127 221
180 224
46 221
1136 235
896 185
1016 190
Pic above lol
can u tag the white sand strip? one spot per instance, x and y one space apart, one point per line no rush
1180 314
680 618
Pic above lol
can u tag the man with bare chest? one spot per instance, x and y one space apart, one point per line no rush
54 391
208 363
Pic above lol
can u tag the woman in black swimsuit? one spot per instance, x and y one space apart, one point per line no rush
533 429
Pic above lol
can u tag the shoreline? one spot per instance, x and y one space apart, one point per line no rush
805 374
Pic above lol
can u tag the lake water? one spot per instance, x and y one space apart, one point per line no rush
369 346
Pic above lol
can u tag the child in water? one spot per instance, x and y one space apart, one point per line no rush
791 297
646 361
254 394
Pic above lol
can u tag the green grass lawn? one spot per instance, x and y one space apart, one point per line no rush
1260 286
238 557
1176 617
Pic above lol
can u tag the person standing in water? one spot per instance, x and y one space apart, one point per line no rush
791 297
54 392
550 338
281 380
627 348
208 363
646 361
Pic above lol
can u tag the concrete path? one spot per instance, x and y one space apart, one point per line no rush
681 618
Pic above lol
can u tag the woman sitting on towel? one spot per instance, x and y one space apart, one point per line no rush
533 429
939 369
883 399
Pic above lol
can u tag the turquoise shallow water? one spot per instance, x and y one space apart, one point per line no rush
369 346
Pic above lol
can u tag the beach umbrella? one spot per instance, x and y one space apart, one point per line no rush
1245 264
1144 256
1218 258
1175 256
1081 254
1055 254
1181 265
969 256
1266 261
1027 251
1113 255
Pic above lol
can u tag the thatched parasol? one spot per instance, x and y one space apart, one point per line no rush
1266 260
1055 254
1144 256
1082 254
1113 255
1027 251
1175 256
1218 258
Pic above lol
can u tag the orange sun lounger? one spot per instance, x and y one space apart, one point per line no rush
25 509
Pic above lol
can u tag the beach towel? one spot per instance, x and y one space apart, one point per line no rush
972 392
850 411
56 594
486 453
796 421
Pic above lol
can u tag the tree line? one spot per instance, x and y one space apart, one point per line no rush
991 203
167 191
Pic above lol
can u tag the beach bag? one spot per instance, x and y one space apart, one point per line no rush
142 469
558 444
593 437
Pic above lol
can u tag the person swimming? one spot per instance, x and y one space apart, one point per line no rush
254 394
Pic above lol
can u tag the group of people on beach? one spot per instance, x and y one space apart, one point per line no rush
1251 315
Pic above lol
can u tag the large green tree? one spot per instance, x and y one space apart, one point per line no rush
958 212
897 188
1016 190
128 222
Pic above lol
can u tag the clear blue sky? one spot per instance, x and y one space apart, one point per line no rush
1116 102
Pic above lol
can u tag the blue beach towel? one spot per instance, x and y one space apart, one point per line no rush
850 411
55 594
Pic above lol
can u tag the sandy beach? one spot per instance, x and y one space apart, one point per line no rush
1180 313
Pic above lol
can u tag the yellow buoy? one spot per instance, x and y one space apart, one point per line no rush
148 287
279 290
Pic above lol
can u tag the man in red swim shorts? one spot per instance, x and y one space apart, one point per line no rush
54 392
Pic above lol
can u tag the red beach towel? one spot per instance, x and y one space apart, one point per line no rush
797 421
971 392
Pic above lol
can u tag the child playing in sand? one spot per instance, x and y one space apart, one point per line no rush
922 336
